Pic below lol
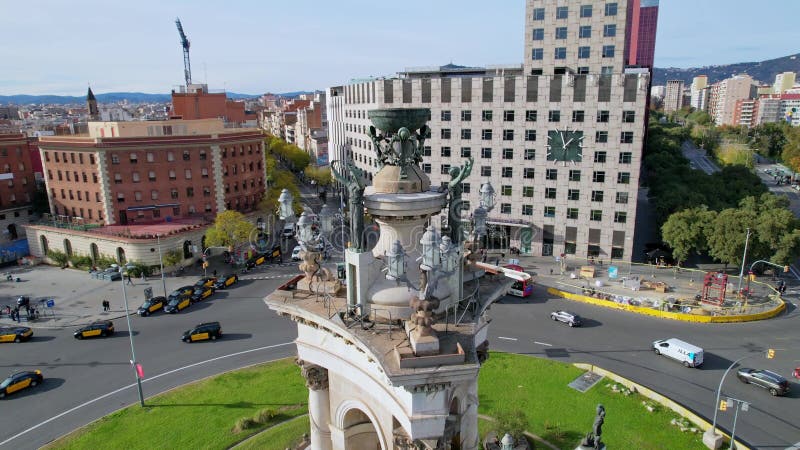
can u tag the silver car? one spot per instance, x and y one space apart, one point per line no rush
567 317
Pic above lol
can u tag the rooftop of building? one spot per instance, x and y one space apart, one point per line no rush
135 230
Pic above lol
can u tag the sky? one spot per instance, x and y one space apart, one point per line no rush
243 46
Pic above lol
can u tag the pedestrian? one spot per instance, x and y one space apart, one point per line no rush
16 314
215 272
130 281
103 303
551 271
143 277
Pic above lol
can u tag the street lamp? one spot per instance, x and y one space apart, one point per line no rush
744 258
430 249
479 219
304 228
326 215
136 366
449 254
161 264
487 194
285 202
396 262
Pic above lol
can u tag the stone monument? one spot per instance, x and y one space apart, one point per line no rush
385 366
592 439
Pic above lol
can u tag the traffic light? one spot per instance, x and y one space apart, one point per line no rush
723 405
770 353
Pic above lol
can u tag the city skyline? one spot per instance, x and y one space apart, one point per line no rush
259 48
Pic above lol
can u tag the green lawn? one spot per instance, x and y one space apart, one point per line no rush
280 437
561 415
200 415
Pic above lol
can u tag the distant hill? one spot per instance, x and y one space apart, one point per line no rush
763 71
110 97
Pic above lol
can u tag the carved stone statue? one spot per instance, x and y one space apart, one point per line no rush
592 439
458 175
354 180
316 376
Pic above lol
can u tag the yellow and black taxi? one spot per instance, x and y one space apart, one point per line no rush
152 305
19 381
202 293
100 328
226 281
177 303
15 334
256 260
182 291
205 282
202 332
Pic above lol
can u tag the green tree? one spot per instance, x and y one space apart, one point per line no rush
172 258
727 233
768 139
230 228
321 175
685 231
788 248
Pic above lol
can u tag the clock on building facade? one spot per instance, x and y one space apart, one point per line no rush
565 145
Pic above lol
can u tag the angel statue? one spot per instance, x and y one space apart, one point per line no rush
354 180
458 175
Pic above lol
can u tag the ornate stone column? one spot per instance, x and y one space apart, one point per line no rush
319 405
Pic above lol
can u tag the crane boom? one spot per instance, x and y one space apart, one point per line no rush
187 66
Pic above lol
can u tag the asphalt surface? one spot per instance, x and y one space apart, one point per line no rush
77 372
621 342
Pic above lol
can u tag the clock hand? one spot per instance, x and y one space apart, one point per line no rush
568 142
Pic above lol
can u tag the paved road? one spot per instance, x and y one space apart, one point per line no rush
698 158
620 342
77 372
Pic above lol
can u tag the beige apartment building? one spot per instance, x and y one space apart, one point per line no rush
559 136
725 94
673 98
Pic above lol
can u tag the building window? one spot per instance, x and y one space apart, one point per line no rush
573 194
538 34
186 155
97 197
91 159
629 116
527 191
611 9
551 174
154 195
584 52
505 208
620 217
486 153
610 30
622 198
204 172
530 154
625 157
203 155
608 51
527 210
426 151
134 158
508 153
550 193
508 172
560 53
577 116
586 10
549 211
150 157
572 213
486 171
445 133
466 134
135 177
120 197
466 116
554 116
626 137
624 178
508 135
137 195
601 137
173 193
170 156
561 32
486 115
206 191
599 176
537 54
505 190
602 116
188 174
486 135
530 115
466 152
562 12
426 168
117 178
465 188
530 135
599 157
528 173
445 152
190 192
444 169
508 116
596 215
597 196
446 116
538 13
172 175
114 159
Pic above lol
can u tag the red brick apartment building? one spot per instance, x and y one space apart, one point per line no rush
17 185
198 103
141 172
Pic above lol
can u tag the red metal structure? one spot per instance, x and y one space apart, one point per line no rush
714 285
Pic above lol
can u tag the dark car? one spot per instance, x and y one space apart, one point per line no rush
205 282
20 381
567 317
15 334
202 332
771 381
226 281
202 293
101 328
177 304
183 291
151 306
257 260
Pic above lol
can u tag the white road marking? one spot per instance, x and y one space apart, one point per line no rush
543 343
506 338
21 433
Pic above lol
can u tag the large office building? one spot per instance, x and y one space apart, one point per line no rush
673 98
139 172
559 136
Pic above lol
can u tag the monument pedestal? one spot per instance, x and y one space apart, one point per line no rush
423 345
712 440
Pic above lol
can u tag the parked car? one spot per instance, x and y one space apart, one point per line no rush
151 306
176 304
684 352
183 291
19 381
288 231
204 331
226 281
567 317
296 253
15 334
205 282
100 328
202 293
771 381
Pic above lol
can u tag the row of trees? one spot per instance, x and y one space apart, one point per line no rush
294 157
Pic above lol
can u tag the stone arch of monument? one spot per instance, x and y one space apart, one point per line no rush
359 426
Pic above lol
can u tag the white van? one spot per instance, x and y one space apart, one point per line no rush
690 355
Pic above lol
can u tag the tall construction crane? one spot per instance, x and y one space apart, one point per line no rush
187 66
